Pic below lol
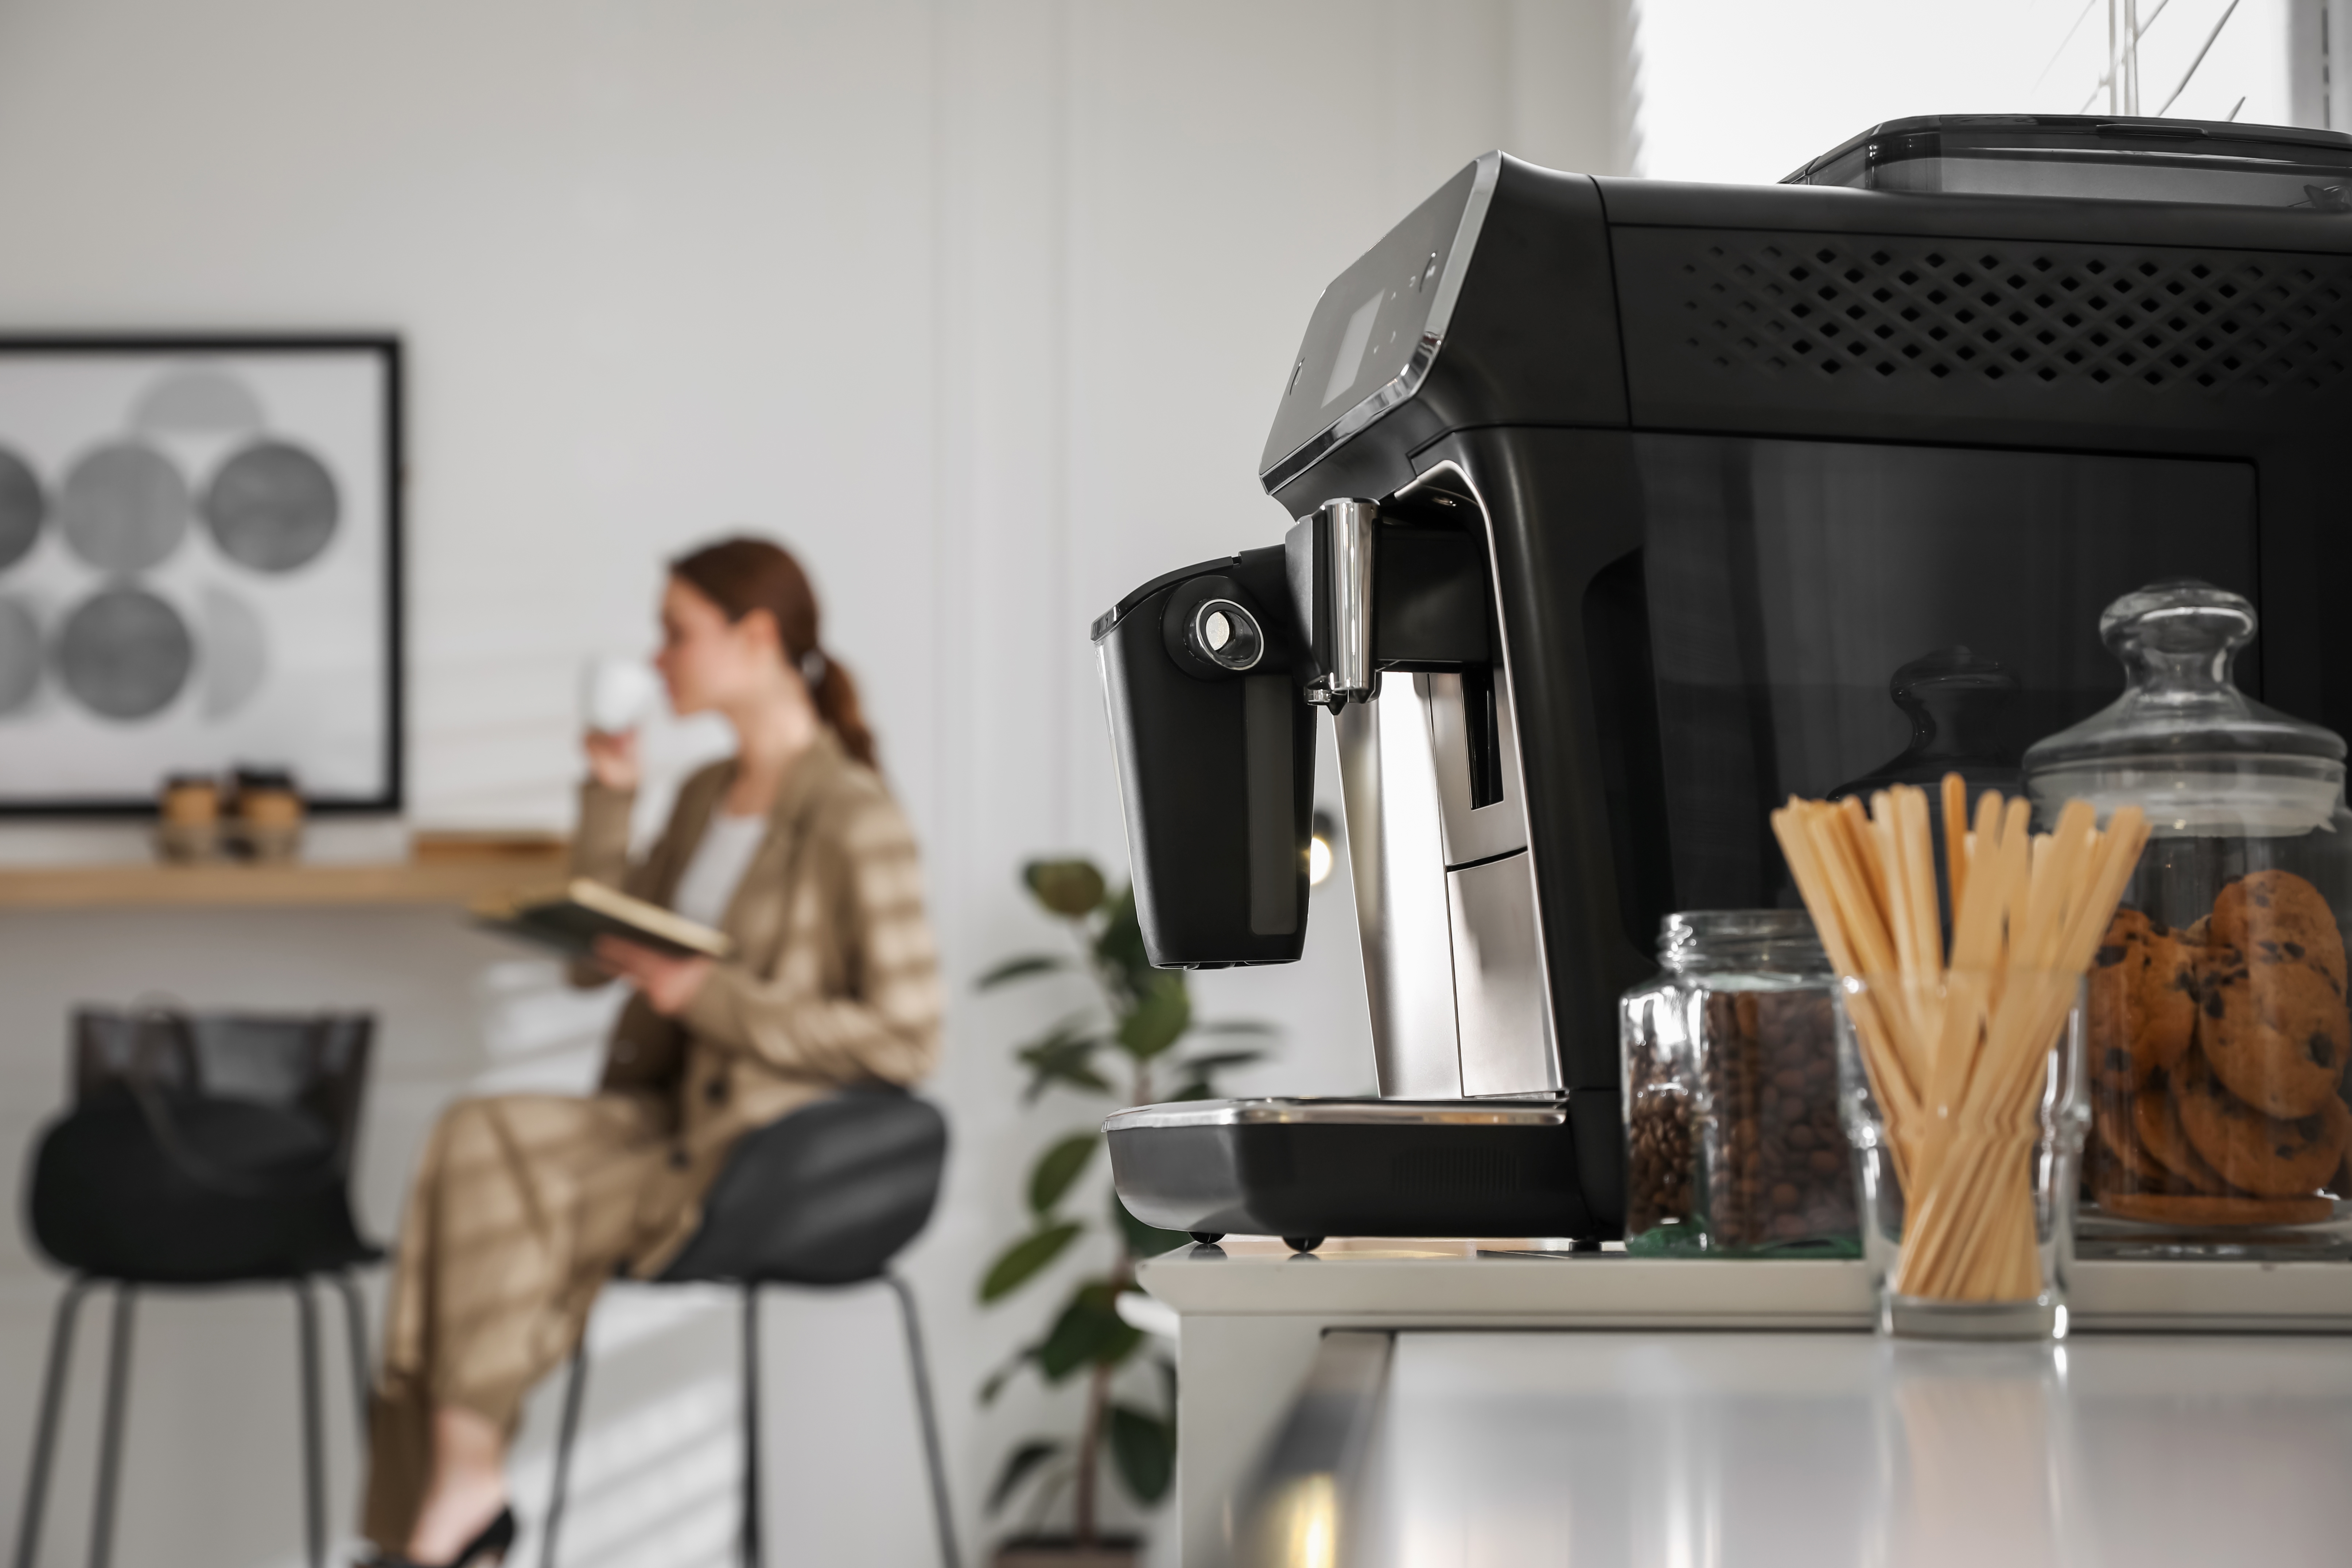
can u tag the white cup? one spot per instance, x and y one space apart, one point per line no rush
616 693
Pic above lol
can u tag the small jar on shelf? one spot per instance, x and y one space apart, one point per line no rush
188 819
269 815
1733 1136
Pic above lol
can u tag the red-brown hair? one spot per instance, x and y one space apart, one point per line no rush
740 575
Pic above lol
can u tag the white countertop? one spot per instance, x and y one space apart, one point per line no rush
2201 1412
1752 1450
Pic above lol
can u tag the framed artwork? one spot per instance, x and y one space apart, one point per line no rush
199 567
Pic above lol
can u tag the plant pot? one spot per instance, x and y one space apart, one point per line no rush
1062 1551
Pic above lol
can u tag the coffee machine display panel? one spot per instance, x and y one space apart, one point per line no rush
1380 324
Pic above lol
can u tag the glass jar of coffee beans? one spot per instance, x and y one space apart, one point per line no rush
1732 1137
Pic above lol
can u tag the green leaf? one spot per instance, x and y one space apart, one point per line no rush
1064 1056
1020 968
1018 1263
1057 1168
1071 888
1159 1019
1086 1078
1071 1030
1071 1071
1089 1332
1144 1447
1143 1240
1018 1465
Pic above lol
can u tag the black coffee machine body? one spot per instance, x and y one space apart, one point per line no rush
1618 508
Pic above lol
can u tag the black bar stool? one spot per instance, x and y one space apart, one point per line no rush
825 1196
202 1150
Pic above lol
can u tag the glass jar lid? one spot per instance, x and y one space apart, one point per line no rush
1759 942
2182 741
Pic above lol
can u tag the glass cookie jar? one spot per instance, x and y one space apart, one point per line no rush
2219 1039
1733 1140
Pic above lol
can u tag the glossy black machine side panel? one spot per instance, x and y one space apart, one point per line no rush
1697 626
2116 327
1216 768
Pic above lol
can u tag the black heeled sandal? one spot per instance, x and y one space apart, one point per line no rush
491 1546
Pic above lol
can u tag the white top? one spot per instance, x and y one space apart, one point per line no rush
708 885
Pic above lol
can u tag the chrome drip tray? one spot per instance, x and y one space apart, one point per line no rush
1351 1167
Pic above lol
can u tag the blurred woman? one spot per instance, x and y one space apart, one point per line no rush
525 1205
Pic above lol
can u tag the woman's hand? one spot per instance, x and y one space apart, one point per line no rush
667 984
611 758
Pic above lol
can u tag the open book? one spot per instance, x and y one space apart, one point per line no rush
570 916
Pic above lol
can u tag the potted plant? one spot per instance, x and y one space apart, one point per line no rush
1122 1049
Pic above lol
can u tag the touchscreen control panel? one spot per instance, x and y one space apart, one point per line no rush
1380 324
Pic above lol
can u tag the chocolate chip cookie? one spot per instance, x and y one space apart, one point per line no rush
2143 1001
2274 1031
2156 1120
2258 1154
2277 916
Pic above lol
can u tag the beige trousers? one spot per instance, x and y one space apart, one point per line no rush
524 1205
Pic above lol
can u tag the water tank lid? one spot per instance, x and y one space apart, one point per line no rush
2079 155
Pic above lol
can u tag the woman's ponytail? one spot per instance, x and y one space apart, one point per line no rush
837 705
740 575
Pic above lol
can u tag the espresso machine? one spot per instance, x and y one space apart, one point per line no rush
1617 507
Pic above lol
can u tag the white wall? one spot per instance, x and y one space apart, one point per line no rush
980 304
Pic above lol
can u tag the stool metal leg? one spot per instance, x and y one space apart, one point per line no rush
750 1424
356 1337
314 1461
109 1441
44 1434
920 1365
575 1383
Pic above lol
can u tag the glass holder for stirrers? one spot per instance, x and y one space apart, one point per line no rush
1990 1235
1962 1077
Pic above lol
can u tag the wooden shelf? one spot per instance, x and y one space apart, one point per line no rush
437 880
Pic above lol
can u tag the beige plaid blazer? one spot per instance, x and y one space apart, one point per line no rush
835 977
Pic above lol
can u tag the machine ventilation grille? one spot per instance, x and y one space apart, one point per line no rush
1883 308
1455 1171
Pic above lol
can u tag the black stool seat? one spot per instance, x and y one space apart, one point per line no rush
108 1201
825 1196
209 1149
